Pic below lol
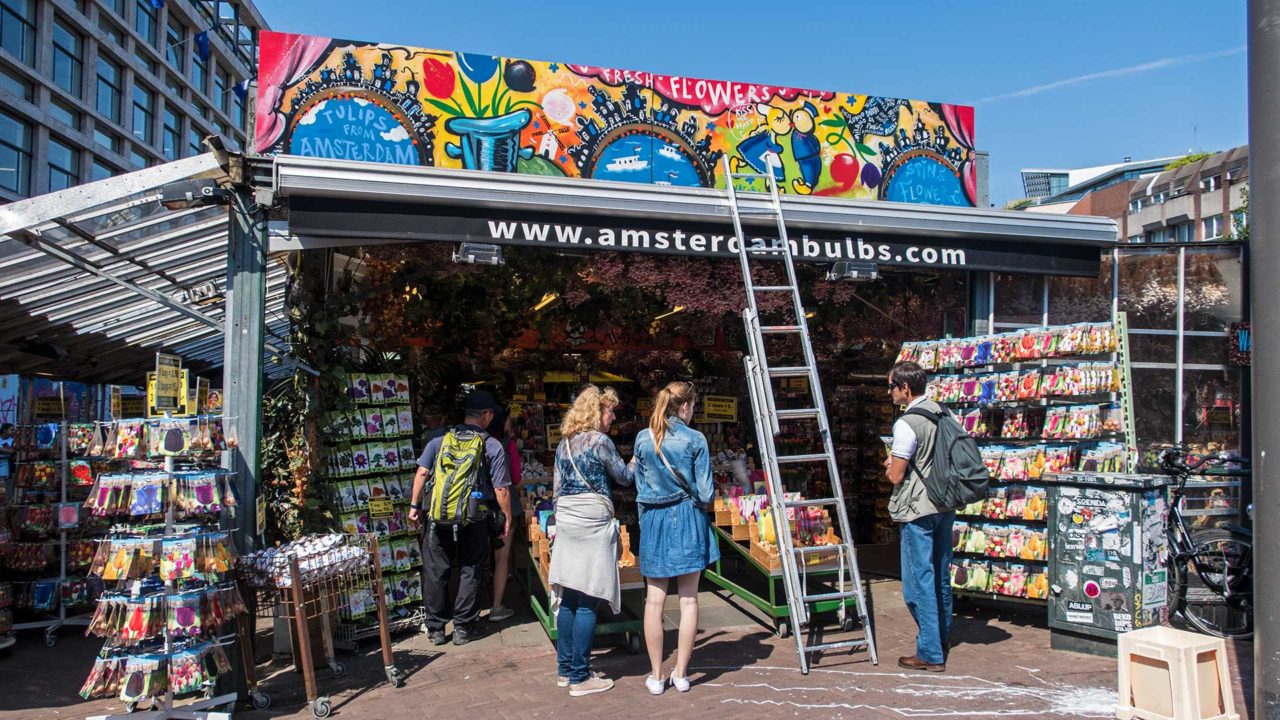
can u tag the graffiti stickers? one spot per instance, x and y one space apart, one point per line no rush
323 97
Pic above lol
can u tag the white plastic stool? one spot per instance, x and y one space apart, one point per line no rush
1168 674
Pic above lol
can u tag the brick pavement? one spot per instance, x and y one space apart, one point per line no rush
1000 667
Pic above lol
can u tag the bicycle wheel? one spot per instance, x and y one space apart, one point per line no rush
1213 584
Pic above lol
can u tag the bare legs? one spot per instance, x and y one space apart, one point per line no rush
654 602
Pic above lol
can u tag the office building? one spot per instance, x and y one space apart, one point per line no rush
94 88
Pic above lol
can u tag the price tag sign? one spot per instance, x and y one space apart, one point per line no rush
381 508
718 408
168 394
553 435
262 514
116 405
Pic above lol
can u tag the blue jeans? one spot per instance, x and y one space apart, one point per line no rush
926 581
575 627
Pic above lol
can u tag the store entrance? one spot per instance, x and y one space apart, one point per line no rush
536 328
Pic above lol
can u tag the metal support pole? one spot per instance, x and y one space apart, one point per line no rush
242 380
1264 227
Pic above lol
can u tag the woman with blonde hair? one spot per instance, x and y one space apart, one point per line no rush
673 487
584 558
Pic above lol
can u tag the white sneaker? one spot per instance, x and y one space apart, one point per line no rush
655 686
681 684
500 613
590 686
563 681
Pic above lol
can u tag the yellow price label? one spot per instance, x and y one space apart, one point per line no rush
381 508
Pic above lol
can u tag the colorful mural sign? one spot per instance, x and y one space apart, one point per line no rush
322 97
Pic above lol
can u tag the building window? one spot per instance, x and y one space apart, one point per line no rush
237 111
64 166
64 114
111 29
174 50
15 155
18 30
144 109
171 135
108 102
102 171
1158 236
68 58
199 70
221 85
1213 227
106 140
1135 206
137 159
15 84
1135 238
1210 183
144 57
1158 198
194 144
144 21
1183 232
1239 221
116 5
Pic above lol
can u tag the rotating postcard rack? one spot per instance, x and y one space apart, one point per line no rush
170 613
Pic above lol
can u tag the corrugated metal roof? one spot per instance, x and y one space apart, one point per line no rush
70 322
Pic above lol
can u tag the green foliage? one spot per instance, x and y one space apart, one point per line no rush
1188 159
1240 233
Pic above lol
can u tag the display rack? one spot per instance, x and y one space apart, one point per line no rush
162 625
628 622
1039 401
372 459
61 514
311 582
861 414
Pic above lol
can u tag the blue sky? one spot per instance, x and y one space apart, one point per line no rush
1063 84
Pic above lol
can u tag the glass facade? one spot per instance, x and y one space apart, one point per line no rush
144 112
68 58
18 30
15 154
1180 304
144 21
108 100
64 166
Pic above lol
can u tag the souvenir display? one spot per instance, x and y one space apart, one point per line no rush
1039 406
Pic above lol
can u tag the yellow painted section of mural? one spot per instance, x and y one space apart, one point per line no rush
339 99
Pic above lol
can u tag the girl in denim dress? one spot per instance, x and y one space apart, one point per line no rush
673 487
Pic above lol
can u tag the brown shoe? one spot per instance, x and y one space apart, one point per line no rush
914 663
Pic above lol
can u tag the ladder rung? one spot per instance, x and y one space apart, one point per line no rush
778 329
767 249
796 459
800 371
835 645
822 597
812 502
797 413
815 549
773 288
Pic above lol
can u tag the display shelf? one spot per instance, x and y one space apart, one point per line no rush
629 622
1043 602
1010 560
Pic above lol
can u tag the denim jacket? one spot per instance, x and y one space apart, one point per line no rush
686 450
597 458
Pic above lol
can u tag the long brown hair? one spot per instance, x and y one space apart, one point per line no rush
669 399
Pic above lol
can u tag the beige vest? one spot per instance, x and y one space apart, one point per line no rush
910 499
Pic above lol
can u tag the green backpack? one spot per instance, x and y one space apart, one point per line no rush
460 469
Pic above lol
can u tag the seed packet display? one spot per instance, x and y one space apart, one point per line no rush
372 422
376 387
1037 504
184 614
997 540
959 535
390 424
345 462
350 522
995 505
360 489
174 437
1038 584
402 390
377 488
358 426
346 492
387 557
186 672
148 494
129 440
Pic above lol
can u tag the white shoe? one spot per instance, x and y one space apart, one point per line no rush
563 681
681 684
655 686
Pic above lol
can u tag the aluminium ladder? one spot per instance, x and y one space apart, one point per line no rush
766 415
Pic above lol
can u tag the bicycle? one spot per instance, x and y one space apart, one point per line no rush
1212 568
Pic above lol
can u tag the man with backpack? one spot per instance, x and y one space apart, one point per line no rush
931 464
461 484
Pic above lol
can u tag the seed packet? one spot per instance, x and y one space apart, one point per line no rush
1016 501
361 491
346 494
377 457
404 420
372 422
1037 504
186 672
147 494
1016 542
344 460
129 440
995 505
928 358
175 437
1037 585
387 556
350 523
395 487
360 459
375 387
184 615
1029 345
377 488
1007 386
973 509
997 540
999 579
959 534
390 424
408 456
177 558
358 386
975 540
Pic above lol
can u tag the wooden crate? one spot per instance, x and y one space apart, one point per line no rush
630 575
724 518
743 532
769 560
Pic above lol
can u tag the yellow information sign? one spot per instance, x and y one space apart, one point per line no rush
202 395
49 407
381 508
132 406
168 384
718 408
116 404
553 435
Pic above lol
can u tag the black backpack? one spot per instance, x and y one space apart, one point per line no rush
958 477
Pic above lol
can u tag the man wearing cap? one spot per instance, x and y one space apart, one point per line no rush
468 544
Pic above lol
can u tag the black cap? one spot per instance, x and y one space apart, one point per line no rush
480 400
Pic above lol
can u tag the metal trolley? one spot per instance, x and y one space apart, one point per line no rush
342 579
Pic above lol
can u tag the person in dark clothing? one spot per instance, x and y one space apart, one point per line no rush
466 545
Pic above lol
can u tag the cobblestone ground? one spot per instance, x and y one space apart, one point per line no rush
1000 666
